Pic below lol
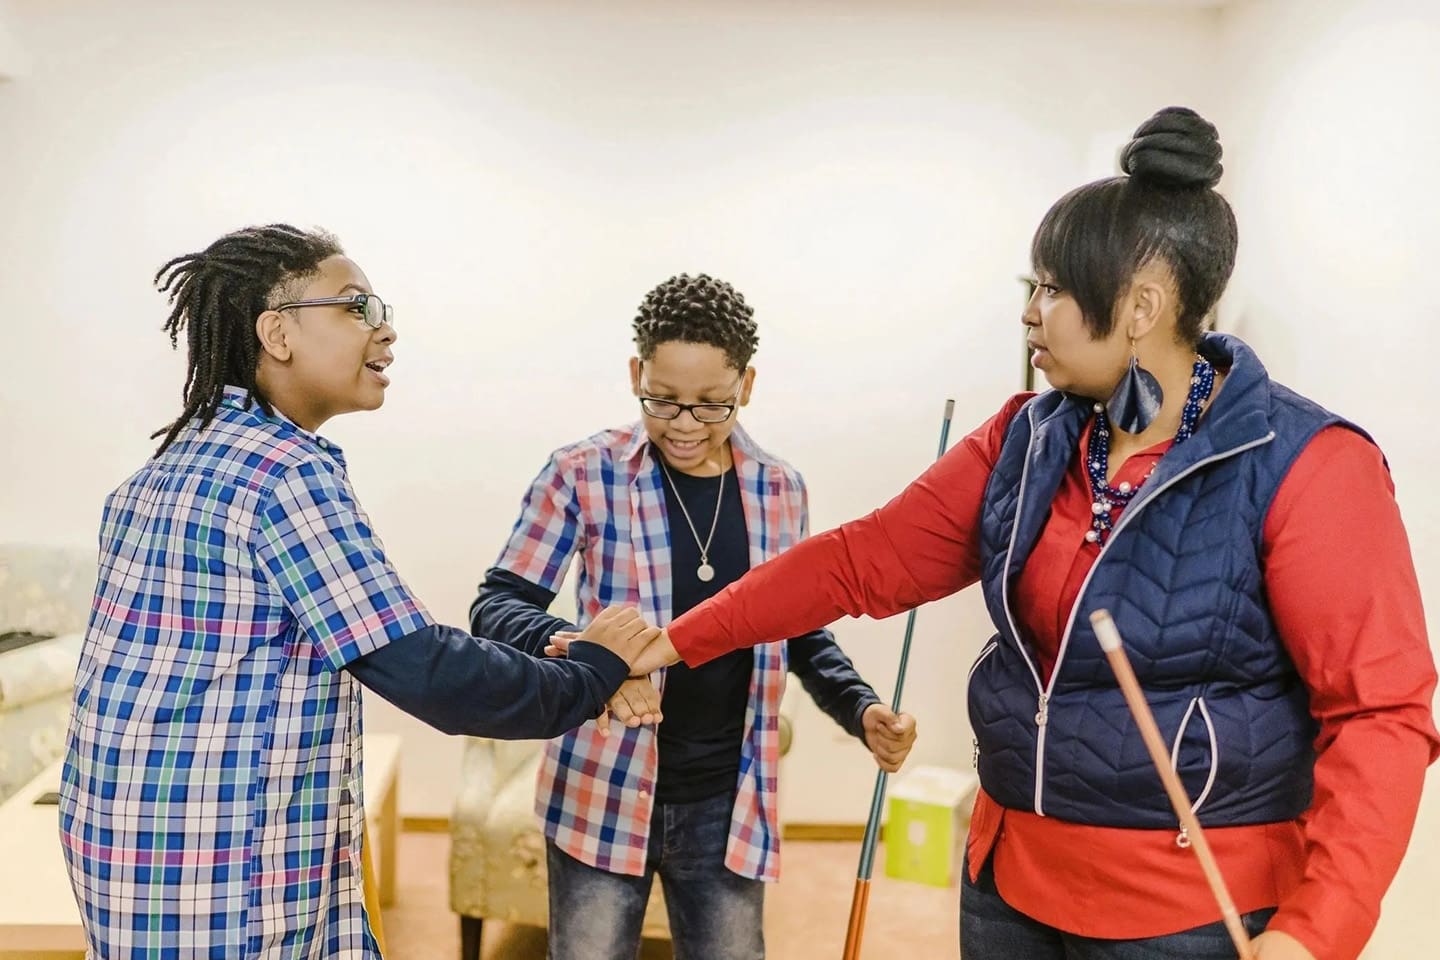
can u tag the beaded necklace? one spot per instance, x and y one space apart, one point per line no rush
1097 461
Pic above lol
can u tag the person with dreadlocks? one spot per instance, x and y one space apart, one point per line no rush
211 795
664 513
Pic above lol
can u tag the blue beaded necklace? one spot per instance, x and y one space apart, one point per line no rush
1097 462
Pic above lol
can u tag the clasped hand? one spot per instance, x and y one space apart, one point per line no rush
888 735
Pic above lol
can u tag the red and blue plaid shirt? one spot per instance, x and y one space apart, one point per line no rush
602 498
211 802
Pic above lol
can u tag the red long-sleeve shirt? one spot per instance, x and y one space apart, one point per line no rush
1346 602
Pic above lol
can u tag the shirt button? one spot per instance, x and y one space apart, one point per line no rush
644 794
324 444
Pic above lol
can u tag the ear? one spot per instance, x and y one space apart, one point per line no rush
635 375
1149 301
747 384
270 327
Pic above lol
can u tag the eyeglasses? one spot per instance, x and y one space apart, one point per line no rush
702 412
369 308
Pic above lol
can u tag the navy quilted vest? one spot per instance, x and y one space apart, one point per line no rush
1182 576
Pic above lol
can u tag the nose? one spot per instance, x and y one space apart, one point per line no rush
385 333
1030 316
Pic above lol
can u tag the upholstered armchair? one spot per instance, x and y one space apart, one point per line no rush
45 595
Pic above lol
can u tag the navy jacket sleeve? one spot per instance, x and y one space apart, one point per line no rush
830 678
511 610
461 684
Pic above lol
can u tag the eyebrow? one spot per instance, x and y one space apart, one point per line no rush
665 392
352 286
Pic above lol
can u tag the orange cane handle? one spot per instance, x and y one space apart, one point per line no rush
855 932
1109 636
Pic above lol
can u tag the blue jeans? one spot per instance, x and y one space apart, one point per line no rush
991 929
714 914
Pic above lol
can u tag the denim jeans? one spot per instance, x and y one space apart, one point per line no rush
990 929
714 914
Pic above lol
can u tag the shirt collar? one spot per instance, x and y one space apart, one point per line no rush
236 399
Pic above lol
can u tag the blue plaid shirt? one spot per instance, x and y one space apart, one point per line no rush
211 802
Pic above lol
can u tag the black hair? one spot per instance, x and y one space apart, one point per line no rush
217 294
1095 238
698 309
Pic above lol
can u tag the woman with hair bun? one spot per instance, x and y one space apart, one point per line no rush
1246 541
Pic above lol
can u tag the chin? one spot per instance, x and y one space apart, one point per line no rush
1059 381
369 401
684 460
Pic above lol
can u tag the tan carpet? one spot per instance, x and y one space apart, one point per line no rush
805 913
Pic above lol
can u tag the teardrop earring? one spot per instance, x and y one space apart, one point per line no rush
1136 401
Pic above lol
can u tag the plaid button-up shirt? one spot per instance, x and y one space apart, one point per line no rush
211 803
602 498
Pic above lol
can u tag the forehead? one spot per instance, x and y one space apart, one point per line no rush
680 367
337 276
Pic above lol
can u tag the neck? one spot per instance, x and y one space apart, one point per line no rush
289 402
1172 368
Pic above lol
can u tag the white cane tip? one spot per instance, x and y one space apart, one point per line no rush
1105 630
949 409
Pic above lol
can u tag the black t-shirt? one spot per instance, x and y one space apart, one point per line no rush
704 707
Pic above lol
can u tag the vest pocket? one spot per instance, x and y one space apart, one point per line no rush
985 652
988 649
1197 705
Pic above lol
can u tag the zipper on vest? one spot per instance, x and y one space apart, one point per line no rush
1042 715
1129 513
1182 839
989 649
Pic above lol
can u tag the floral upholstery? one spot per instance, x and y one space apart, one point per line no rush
43 590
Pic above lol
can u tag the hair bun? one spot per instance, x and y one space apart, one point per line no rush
1175 148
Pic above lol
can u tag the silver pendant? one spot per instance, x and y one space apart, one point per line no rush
705 572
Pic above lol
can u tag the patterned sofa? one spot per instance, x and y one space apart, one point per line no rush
45 591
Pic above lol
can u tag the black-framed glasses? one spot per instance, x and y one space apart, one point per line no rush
702 412
366 306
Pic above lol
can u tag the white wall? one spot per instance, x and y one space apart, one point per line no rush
515 177
13 61
1331 159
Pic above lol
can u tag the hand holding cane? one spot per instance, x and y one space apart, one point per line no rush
855 929
1109 637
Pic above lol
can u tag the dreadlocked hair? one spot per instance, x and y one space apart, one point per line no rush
698 309
217 294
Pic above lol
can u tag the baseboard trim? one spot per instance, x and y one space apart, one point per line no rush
425 824
811 832
826 832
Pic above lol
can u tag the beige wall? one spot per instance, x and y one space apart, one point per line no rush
514 178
